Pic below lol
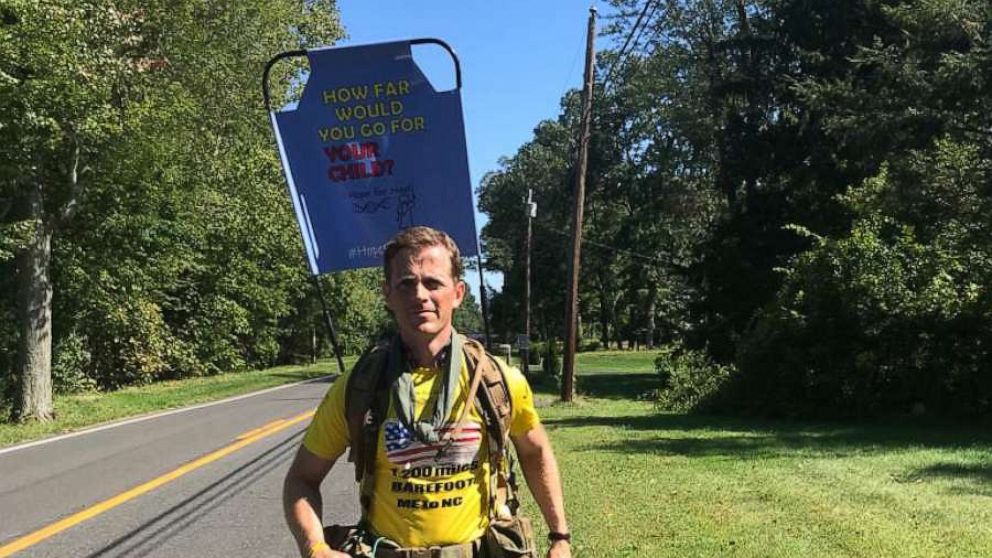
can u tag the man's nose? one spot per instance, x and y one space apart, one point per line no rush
421 292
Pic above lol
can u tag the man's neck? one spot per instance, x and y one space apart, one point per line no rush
424 351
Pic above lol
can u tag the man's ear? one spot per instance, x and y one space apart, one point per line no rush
459 294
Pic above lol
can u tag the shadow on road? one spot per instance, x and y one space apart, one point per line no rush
321 380
150 535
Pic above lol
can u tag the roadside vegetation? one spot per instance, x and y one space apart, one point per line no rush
80 410
640 482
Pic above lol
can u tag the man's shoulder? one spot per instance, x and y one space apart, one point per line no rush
372 358
364 375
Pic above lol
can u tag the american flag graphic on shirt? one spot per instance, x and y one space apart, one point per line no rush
403 448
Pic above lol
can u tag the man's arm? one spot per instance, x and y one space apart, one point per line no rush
540 468
302 503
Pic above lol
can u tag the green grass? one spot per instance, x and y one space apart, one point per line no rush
77 411
615 362
643 483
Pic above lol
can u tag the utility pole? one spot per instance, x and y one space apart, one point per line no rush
572 306
484 300
525 349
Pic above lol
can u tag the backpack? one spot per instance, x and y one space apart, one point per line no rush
367 402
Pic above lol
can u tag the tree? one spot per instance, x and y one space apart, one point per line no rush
890 316
142 93
60 102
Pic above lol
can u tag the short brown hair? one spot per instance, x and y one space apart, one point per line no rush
418 238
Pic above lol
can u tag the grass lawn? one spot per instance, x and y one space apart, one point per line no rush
643 483
87 409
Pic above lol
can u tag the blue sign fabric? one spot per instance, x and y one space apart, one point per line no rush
372 149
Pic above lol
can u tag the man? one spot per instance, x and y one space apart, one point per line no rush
422 497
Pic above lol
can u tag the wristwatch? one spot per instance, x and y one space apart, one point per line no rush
556 536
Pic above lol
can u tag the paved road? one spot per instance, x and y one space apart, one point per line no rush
229 507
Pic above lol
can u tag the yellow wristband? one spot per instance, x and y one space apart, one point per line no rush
317 547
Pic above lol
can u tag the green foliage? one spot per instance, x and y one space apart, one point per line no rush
131 344
69 362
690 380
358 307
468 318
551 365
891 319
175 252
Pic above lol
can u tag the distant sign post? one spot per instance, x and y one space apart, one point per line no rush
373 148
523 342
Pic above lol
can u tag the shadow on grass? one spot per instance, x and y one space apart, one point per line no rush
604 386
969 471
967 478
741 438
970 478
618 386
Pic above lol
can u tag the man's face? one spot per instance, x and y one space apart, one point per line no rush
422 293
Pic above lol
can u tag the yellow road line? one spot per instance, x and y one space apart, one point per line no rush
262 428
245 439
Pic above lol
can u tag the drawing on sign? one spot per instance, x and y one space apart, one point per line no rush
404 207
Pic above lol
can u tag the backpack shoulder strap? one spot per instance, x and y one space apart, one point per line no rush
494 393
364 399
496 405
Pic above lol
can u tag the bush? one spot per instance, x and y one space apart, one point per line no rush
552 364
70 361
690 380
588 345
534 355
893 318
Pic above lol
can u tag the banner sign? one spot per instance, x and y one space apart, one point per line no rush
371 149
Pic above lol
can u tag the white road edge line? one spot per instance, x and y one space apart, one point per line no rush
143 418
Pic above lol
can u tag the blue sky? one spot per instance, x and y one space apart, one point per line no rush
517 59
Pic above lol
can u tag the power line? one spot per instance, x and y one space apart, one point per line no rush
571 68
630 36
637 39
639 255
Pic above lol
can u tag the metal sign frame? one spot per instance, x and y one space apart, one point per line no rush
306 235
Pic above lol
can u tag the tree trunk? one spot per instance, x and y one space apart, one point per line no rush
314 347
649 322
742 17
604 321
615 318
35 307
632 330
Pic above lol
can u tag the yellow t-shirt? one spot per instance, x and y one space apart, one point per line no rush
419 498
